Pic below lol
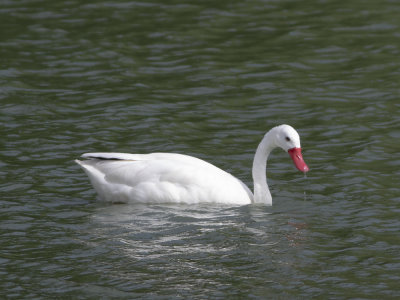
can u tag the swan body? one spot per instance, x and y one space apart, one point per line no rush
178 178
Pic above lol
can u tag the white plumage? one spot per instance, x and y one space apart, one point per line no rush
178 178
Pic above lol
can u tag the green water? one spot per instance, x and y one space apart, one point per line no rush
208 79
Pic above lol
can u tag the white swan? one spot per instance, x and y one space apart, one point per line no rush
169 177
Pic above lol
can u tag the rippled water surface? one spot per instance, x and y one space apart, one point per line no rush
208 79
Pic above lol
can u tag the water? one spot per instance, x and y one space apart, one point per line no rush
206 79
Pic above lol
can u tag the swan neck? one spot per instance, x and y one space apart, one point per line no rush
261 190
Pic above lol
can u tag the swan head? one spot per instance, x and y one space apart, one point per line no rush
287 138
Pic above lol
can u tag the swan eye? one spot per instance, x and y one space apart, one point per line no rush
287 138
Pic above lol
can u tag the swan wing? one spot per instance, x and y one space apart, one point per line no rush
161 177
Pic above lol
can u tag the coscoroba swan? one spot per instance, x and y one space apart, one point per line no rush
169 177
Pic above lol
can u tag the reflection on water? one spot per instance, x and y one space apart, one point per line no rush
210 244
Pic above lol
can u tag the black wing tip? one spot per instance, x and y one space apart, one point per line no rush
103 158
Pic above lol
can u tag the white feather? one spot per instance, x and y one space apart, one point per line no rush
161 178
169 177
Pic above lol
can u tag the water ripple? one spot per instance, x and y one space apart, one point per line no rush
206 80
